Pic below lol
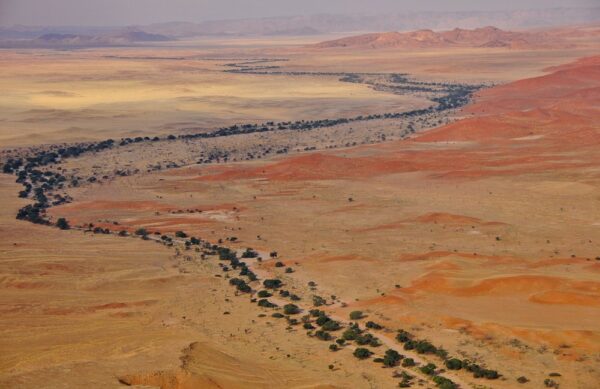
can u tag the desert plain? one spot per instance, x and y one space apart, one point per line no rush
474 228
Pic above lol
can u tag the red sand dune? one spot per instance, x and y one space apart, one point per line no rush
479 37
101 205
579 340
527 126
543 289
566 298
433 218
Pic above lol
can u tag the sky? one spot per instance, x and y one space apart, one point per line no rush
132 12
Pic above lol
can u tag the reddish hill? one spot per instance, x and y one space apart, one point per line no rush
479 37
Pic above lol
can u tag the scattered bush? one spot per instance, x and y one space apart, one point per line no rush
356 315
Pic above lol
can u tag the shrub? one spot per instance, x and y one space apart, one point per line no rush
403 336
408 362
333 347
444 383
279 264
350 334
249 253
522 380
141 232
490 374
428 369
373 325
323 335
272 283
266 303
369 339
454 364
284 293
180 234
264 294
331 325
240 285
440 352
289 270
277 315
391 358
291 309
322 319
318 301
424 347
356 315
362 353
62 224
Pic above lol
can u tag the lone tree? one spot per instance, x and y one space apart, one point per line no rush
62 224
356 315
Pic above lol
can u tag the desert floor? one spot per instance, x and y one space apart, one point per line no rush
481 235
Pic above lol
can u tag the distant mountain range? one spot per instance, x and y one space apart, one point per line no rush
295 25
319 24
121 37
479 37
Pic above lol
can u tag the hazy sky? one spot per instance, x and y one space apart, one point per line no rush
128 12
